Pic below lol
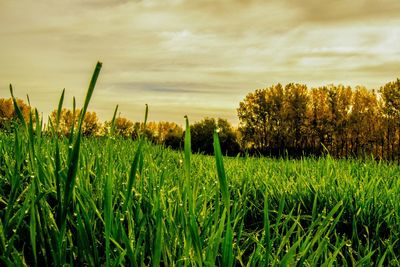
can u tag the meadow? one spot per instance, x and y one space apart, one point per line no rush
117 202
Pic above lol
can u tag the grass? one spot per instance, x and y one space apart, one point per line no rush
116 202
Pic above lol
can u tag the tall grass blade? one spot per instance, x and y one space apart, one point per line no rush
74 159
2 238
71 132
59 109
157 246
221 172
267 236
57 159
108 188
135 166
146 114
187 150
132 176
227 250
17 109
113 121
33 230
89 93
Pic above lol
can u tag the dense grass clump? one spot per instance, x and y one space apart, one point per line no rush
112 201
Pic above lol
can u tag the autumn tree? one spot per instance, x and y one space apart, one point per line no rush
122 127
69 118
273 119
254 119
295 116
318 119
139 129
91 124
339 103
363 121
161 129
294 119
275 99
8 114
390 94
162 133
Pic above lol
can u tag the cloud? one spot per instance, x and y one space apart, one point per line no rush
198 55
343 11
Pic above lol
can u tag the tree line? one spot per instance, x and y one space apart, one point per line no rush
291 120
164 133
345 122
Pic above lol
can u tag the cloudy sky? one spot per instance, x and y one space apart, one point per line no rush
194 57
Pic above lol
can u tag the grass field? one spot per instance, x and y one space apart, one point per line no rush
310 211
116 202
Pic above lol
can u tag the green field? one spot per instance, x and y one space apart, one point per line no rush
310 211
118 202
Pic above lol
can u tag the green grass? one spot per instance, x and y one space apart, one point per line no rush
115 202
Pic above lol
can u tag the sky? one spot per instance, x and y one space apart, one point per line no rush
190 57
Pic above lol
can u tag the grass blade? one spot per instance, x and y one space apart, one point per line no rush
187 150
108 188
17 109
74 158
221 172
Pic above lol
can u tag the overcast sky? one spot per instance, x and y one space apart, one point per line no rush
194 57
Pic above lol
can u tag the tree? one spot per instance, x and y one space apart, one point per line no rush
339 103
390 94
295 115
8 114
254 117
174 137
159 130
122 127
298 120
68 119
318 118
273 119
364 111
202 136
140 130
275 99
91 125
